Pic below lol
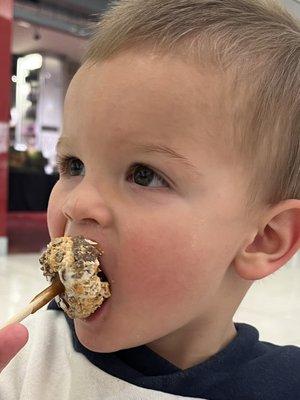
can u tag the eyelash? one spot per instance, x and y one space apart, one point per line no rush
63 164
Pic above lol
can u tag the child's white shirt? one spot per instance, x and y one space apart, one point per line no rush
48 368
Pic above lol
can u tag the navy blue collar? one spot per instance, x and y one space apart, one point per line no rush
142 367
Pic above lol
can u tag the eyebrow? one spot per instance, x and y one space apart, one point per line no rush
171 153
148 148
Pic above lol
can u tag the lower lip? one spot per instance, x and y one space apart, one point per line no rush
100 312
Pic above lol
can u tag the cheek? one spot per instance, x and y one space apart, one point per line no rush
55 218
162 267
172 264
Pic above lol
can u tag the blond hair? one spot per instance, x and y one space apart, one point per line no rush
258 41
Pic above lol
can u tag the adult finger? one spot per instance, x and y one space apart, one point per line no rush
12 339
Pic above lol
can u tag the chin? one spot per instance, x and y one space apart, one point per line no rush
99 343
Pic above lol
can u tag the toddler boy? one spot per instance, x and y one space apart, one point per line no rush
180 156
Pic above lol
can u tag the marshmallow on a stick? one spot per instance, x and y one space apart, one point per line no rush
77 262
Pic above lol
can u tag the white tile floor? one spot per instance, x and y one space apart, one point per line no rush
272 305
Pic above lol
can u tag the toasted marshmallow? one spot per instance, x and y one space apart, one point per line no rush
77 261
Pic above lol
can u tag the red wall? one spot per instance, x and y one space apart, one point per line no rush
6 15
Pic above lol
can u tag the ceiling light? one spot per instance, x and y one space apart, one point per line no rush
32 61
24 24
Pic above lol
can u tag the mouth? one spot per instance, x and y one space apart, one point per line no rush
94 315
102 275
63 299
82 273
103 278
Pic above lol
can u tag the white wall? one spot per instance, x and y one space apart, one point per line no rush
293 7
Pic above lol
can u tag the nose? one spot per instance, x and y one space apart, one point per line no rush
84 203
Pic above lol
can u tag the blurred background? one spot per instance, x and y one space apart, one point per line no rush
41 45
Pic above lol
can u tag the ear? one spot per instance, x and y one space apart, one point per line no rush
273 244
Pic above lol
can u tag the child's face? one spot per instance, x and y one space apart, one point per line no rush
170 225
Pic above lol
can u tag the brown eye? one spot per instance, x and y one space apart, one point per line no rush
75 167
145 176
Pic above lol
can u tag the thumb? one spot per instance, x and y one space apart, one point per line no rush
12 339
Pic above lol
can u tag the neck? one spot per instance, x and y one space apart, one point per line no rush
197 342
206 335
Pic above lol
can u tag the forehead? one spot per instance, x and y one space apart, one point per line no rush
146 95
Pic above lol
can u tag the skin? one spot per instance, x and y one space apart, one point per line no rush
12 339
180 253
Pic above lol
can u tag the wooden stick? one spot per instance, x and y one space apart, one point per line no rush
38 302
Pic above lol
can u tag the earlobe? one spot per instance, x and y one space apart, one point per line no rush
253 266
274 246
